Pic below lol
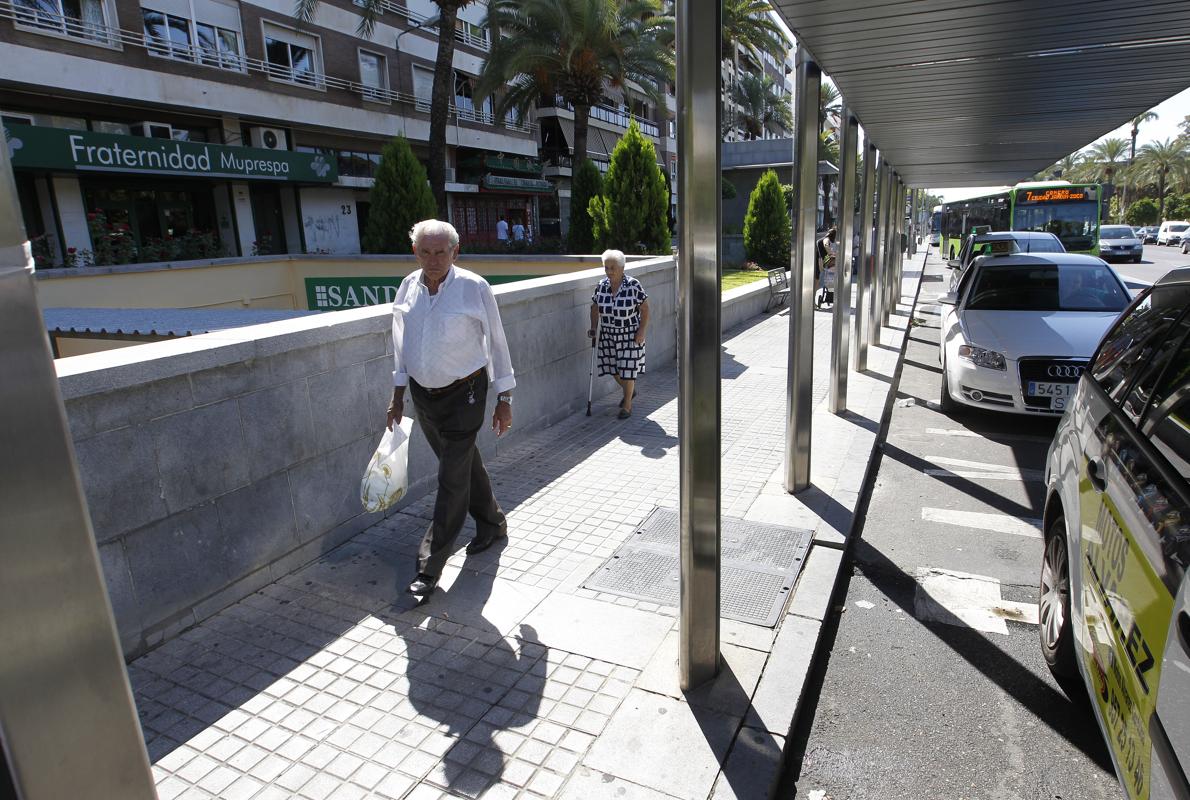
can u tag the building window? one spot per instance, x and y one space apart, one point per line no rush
209 34
471 34
465 100
292 56
673 128
78 19
373 76
423 88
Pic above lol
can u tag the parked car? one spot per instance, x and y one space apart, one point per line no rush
1147 234
1119 242
1185 245
1172 231
1000 243
1114 601
1019 329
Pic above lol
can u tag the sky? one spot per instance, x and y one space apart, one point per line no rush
1169 114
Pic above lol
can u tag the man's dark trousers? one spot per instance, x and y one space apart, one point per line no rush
450 424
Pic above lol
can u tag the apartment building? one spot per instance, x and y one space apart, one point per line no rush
232 120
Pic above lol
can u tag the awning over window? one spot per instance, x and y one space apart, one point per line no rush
597 145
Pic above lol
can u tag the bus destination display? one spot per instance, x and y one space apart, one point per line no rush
1054 195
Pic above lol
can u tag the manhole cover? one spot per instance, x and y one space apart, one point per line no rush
760 564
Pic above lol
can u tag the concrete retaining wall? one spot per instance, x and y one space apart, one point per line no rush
216 464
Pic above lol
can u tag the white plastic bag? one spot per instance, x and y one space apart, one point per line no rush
387 478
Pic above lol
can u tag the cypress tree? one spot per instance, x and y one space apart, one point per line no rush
400 197
587 183
633 209
768 229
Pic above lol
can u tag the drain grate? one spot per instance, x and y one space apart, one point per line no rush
760 563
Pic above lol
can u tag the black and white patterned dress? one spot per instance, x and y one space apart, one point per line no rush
619 320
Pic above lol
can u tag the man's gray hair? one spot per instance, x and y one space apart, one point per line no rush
434 227
615 256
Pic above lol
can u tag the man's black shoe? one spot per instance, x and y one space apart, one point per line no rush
423 585
478 545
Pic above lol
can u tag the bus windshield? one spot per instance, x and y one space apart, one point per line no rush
1073 223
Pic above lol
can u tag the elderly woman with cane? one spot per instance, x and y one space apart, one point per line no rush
619 318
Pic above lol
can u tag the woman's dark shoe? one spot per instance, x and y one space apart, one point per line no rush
624 413
423 585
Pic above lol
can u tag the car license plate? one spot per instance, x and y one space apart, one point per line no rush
1058 393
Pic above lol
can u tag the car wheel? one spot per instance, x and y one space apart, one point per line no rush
1057 638
1136 260
946 403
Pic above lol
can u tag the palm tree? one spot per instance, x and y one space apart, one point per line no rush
1067 168
761 107
1157 159
1102 160
747 25
828 102
1137 121
577 49
443 90
828 150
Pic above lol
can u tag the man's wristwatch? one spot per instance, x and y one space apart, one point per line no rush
504 397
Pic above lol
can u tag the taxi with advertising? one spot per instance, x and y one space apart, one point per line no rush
1114 609
1018 330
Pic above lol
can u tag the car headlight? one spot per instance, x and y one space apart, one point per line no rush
983 358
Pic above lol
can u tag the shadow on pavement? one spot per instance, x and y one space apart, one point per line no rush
445 683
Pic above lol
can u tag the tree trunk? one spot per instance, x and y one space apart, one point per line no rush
441 101
1161 194
582 114
827 218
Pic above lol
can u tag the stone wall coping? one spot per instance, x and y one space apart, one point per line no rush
119 368
163 266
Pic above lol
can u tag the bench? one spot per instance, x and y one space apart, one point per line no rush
778 288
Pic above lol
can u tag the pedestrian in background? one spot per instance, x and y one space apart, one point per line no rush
502 230
518 231
620 314
448 343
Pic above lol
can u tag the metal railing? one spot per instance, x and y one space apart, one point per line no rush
112 36
419 20
613 116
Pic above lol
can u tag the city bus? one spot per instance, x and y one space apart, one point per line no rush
935 226
1069 211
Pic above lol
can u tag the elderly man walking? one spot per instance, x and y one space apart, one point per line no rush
448 348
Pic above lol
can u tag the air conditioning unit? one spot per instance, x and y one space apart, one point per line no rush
152 130
450 174
270 138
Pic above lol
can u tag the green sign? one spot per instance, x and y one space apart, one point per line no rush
519 184
334 294
36 147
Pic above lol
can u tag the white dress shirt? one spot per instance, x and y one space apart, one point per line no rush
440 338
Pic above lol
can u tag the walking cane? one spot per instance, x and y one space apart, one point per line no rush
594 347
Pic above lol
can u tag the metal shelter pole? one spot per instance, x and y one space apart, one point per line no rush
912 222
863 282
886 279
699 31
875 309
800 390
840 328
67 719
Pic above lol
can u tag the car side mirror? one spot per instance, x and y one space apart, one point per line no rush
947 299
954 263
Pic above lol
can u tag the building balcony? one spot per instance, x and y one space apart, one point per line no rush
612 116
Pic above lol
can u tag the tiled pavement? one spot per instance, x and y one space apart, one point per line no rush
512 681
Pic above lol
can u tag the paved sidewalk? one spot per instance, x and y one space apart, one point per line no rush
512 681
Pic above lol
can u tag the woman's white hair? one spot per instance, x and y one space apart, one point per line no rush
434 227
614 256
